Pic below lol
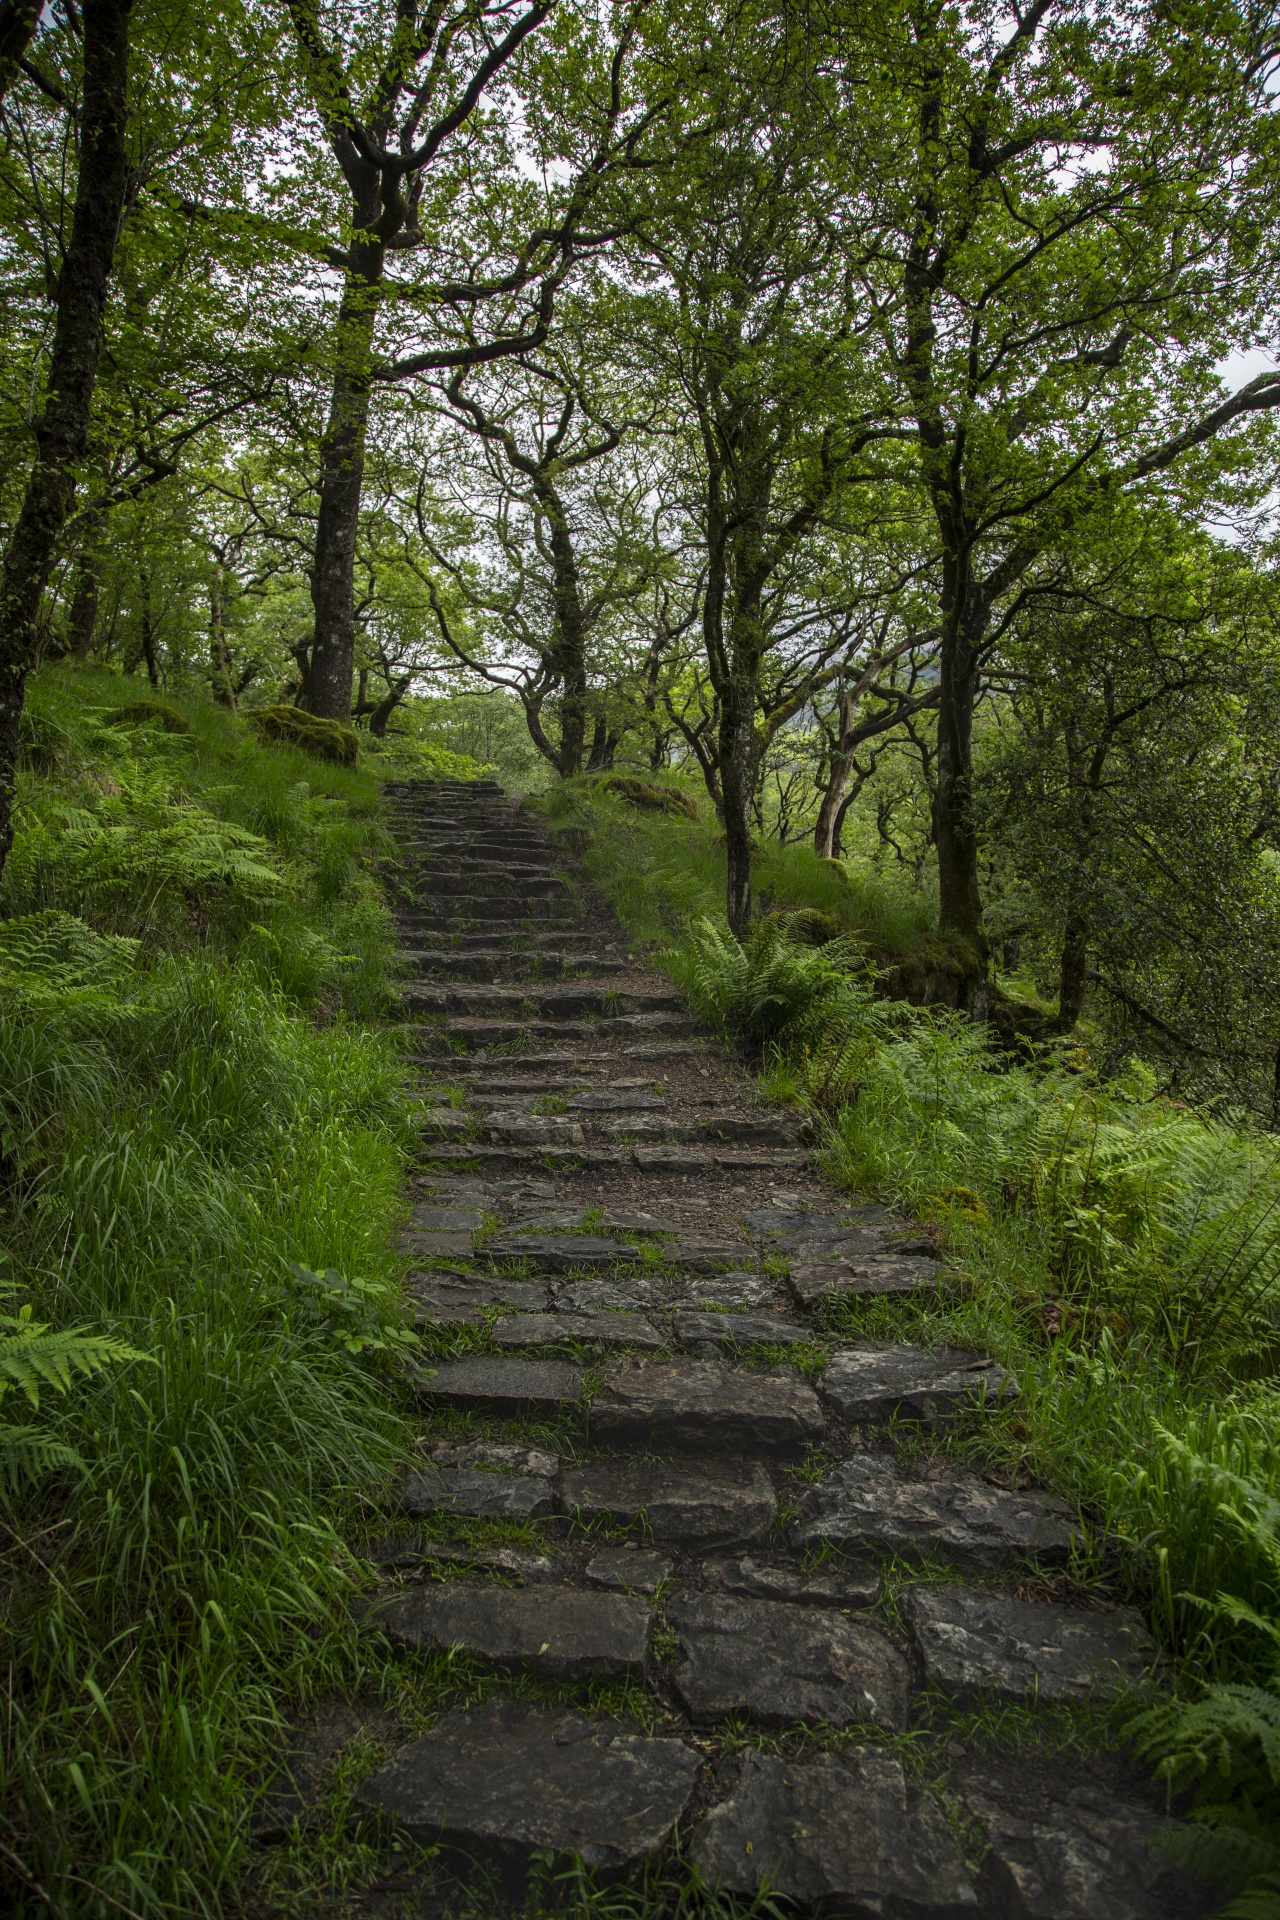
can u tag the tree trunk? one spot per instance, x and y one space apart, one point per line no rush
960 896
1071 972
386 707
737 784
149 634
63 428
332 664
17 26
219 660
82 620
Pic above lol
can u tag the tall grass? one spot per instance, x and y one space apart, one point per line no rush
194 1128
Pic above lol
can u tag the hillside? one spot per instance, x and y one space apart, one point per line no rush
225 1098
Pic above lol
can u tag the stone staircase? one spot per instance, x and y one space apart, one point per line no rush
649 1476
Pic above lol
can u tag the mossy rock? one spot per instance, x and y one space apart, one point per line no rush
649 795
811 925
291 727
150 713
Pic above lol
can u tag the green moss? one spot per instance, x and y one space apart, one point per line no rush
154 713
290 726
650 796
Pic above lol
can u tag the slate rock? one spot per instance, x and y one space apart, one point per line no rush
607 1296
837 1834
734 1291
435 1246
508 1457
594 1329
562 1633
508 1781
634 1569
1083 1856
976 1643
868 1506
875 1383
735 1329
780 1663
635 1220
726 1504
502 1384
471 1490
812 1282
616 1102
845 1585
533 1130
474 1292
680 1405
427 1219
704 1253
557 1252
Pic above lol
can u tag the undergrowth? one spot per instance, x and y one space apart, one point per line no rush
202 1147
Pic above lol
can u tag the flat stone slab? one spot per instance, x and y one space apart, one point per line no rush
845 1586
683 1405
629 1570
533 1130
838 1834
811 1282
508 1781
557 1252
426 1219
734 1291
562 1633
593 1329
1086 1856
705 1253
635 1220
501 1384
868 1506
725 1504
616 1102
972 1644
474 1291
736 1329
508 1457
780 1663
607 1296
874 1383
472 1490
435 1246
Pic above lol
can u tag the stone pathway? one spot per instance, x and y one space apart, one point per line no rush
644 1464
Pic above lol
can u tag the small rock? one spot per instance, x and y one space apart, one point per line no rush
444 1295
470 1490
684 1405
508 1780
736 1329
593 1329
843 1834
976 1643
847 1585
562 1633
722 1505
868 1506
781 1663
636 1570
505 1385
1084 1856
875 1383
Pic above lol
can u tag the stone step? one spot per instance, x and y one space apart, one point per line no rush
494 968
870 1382
732 1330
869 1505
542 1002
521 941
718 1504
528 1331
657 1161
503 1385
691 1406
780 1664
477 1033
974 1645
507 1781
563 1252
559 1633
509 889
455 909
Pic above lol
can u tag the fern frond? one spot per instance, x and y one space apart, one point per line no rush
33 1356
27 1453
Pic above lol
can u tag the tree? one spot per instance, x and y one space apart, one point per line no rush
62 431
1075 222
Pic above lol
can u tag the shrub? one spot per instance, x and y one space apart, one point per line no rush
290 726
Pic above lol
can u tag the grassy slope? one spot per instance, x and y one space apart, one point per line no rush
1120 1254
192 1131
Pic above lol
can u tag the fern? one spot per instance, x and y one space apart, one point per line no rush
773 986
54 953
34 1357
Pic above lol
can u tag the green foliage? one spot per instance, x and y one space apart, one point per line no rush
323 738
34 1356
772 986
650 796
